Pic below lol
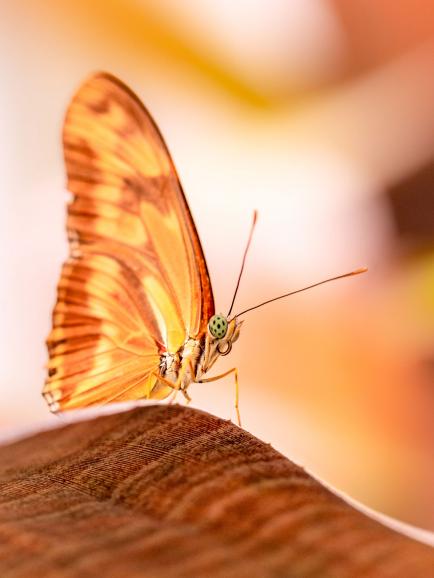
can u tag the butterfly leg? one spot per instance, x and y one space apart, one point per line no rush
175 386
234 370
185 394
162 379
192 376
178 385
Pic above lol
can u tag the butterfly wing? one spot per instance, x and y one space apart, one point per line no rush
136 283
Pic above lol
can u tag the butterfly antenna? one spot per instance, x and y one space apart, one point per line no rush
246 250
355 272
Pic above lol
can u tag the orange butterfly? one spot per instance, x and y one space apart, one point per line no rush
134 317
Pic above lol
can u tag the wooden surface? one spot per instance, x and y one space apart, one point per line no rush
172 492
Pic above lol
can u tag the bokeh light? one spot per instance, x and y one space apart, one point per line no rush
318 114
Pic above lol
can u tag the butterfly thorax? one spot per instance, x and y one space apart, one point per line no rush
184 363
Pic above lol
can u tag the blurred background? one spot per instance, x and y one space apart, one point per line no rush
318 113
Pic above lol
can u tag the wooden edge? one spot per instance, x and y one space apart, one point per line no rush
171 491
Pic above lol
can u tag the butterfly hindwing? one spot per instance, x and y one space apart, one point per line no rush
136 282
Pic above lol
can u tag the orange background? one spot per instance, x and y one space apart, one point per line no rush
314 113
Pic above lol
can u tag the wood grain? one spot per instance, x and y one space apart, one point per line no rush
167 491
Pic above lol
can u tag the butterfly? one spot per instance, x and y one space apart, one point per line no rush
135 316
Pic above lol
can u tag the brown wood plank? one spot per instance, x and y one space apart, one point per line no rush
167 491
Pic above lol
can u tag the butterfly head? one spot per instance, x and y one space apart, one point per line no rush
222 333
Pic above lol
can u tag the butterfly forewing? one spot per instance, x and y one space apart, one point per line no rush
136 283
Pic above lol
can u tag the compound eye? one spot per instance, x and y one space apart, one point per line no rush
218 326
